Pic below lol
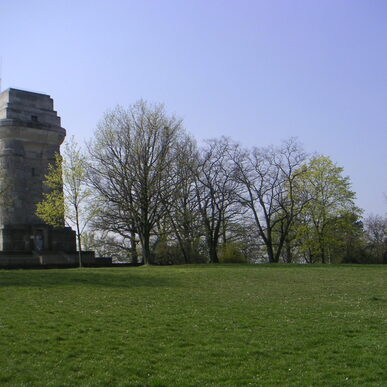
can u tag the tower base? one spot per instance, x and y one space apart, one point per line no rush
37 237
39 245
46 259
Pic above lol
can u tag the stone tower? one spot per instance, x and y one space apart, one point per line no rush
30 135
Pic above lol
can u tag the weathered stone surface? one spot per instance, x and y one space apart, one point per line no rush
30 135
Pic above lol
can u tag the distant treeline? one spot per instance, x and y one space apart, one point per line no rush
146 191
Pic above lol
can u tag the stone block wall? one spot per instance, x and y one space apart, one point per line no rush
30 136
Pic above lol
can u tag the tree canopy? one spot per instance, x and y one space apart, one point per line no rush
146 191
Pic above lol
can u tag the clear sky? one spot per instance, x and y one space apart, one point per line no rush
257 71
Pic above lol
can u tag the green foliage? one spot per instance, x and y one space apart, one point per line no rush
331 213
229 325
67 197
376 239
52 208
167 253
232 253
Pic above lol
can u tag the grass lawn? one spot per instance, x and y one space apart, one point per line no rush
220 325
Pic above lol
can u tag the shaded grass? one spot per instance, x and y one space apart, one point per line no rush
221 325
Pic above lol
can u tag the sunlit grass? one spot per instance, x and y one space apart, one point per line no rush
194 326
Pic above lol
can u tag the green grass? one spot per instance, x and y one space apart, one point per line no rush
224 325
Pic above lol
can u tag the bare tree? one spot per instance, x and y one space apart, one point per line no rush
376 237
115 225
216 191
270 178
131 163
108 244
184 215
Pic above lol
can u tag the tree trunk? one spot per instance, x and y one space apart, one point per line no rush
187 252
322 254
133 250
79 250
224 231
182 243
213 253
270 251
322 250
146 251
288 252
270 255
78 237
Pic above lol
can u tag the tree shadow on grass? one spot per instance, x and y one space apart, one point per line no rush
66 277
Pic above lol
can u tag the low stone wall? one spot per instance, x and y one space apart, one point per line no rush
18 260
49 259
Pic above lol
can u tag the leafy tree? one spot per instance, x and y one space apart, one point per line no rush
232 252
330 213
52 208
67 199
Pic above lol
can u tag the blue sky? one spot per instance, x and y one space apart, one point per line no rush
257 71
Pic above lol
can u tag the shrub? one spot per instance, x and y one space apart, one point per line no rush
232 253
170 253
167 254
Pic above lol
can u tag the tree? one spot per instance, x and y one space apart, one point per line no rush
52 208
107 244
115 225
67 198
376 238
184 215
216 191
330 212
131 167
272 191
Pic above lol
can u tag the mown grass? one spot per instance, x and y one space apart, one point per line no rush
230 325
